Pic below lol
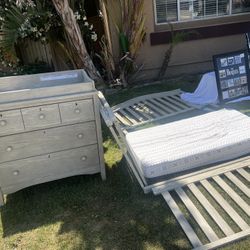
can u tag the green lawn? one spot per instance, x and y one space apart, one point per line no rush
85 213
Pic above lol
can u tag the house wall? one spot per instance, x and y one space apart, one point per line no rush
194 56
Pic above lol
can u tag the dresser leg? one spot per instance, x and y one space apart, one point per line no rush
103 174
1 198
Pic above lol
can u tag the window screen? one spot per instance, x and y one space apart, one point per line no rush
240 6
184 10
166 11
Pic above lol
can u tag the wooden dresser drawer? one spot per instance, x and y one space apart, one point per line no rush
79 111
45 141
11 122
23 173
41 116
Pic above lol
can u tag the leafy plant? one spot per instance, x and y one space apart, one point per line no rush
128 17
38 20
10 27
176 38
22 20
106 59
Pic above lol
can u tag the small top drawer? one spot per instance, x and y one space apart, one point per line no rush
42 116
79 111
11 122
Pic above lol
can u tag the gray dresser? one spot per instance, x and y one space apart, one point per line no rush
49 129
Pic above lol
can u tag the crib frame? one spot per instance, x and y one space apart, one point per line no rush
138 112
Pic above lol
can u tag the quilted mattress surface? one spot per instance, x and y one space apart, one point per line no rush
186 144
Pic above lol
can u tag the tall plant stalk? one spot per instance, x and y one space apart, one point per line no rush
130 25
133 24
176 38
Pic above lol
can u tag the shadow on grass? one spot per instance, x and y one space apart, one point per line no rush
115 214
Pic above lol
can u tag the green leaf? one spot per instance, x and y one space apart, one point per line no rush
10 28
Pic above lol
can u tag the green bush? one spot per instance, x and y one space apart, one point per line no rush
33 68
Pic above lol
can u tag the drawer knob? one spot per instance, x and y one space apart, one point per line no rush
80 136
42 116
3 123
16 172
84 158
77 111
9 149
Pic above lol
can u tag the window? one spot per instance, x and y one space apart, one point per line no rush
185 10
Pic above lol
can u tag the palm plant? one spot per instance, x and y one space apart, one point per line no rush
32 21
9 32
130 25
133 24
176 38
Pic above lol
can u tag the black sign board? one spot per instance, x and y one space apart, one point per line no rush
232 75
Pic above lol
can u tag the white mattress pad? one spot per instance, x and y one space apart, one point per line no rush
190 143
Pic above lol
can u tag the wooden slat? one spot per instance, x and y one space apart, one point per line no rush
143 110
151 112
178 97
199 175
238 183
225 205
145 97
122 120
208 231
238 200
154 109
182 220
170 105
135 114
99 137
244 174
157 105
128 116
224 241
1 198
163 107
211 210
177 102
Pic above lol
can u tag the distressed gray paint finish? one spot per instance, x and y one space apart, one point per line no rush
78 111
41 116
48 140
10 122
49 129
49 166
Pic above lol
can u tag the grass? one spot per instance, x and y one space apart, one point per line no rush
85 213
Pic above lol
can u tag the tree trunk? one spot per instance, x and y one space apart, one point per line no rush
72 29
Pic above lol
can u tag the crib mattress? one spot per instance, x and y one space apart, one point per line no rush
190 143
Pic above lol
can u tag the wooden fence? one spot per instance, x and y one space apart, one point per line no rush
32 52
